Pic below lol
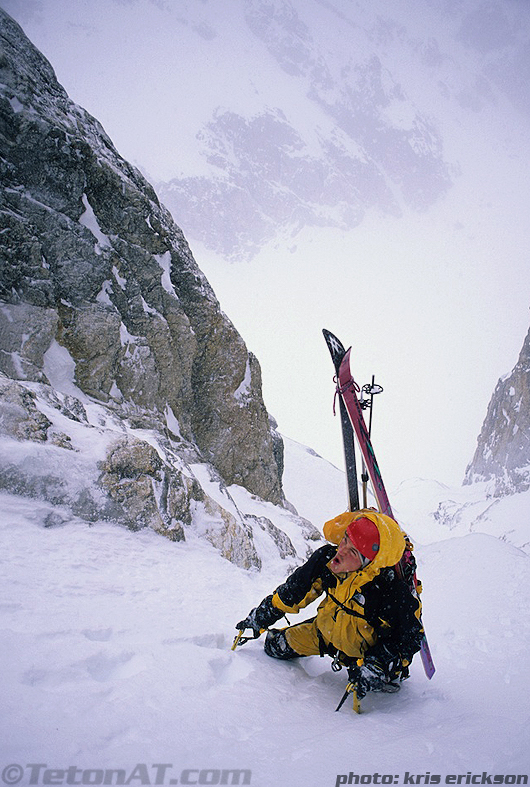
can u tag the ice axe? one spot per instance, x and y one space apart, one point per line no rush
351 688
240 639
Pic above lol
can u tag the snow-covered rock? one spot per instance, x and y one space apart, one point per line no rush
502 456
98 279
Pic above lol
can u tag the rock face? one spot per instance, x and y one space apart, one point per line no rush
503 449
94 265
265 171
364 144
125 393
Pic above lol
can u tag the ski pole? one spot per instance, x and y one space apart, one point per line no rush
370 389
364 473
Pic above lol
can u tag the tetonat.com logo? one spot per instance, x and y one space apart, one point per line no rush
140 774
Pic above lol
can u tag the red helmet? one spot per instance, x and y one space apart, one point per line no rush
364 535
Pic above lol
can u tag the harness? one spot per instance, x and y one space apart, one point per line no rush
344 607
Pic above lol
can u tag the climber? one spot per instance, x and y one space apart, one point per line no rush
368 621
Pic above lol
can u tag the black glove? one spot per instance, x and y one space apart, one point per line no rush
260 617
370 676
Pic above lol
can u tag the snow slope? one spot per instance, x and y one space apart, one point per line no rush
116 655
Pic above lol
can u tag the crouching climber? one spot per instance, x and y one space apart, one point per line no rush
368 620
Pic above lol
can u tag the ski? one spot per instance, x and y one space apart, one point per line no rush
337 352
347 390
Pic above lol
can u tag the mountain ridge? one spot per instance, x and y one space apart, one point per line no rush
109 328
502 455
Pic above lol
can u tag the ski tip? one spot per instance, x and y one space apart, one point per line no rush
328 335
335 347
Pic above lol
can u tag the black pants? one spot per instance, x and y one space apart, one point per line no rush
276 645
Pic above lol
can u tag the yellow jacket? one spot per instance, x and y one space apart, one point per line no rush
360 607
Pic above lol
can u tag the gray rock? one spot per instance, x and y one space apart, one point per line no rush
233 538
91 259
26 332
19 417
118 371
503 447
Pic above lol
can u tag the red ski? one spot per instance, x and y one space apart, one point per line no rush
348 388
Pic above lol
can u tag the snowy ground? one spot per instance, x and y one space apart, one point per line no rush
116 656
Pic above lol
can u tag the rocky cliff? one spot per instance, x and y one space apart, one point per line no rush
107 322
503 449
378 150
